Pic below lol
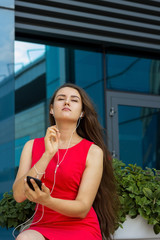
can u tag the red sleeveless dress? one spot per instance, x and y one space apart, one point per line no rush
54 225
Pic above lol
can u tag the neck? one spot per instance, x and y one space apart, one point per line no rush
66 131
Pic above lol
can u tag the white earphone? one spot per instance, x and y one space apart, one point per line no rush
81 115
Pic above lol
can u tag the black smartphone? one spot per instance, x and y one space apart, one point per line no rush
38 181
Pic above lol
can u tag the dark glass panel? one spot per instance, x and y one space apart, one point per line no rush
139 133
55 69
89 75
133 74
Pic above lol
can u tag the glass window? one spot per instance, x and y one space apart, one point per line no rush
26 53
89 75
139 133
133 74
30 77
7 172
40 70
55 69
6 101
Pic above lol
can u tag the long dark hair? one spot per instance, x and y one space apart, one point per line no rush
105 203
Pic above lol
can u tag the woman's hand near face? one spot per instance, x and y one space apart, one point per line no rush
51 140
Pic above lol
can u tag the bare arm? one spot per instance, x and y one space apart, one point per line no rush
87 191
26 170
51 146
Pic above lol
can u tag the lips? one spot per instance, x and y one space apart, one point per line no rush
66 109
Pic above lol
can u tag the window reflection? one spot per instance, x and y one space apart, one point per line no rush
133 74
155 77
89 75
26 53
7 169
6 44
30 93
55 69
6 101
139 133
39 71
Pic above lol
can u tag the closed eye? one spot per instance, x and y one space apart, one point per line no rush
60 99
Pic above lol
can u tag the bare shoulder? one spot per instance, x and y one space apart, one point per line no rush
95 155
94 149
28 145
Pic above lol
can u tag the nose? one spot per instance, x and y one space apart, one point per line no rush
67 102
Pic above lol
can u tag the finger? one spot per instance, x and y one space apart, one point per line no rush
45 189
53 128
36 188
26 186
27 191
53 137
52 133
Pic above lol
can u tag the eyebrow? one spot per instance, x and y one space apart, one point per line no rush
63 95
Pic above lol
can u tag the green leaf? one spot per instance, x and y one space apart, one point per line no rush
152 221
148 193
132 213
142 213
142 201
158 202
132 195
156 228
157 194
148 210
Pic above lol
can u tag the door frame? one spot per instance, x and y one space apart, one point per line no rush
115 98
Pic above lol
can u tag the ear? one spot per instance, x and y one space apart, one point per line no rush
51 111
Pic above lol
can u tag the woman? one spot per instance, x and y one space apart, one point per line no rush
78 196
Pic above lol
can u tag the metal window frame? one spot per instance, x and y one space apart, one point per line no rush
113 100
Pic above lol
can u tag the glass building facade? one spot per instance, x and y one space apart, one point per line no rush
124 88
137 123
46 73
101 75
7 106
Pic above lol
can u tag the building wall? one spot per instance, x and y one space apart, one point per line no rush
6 100
123 24
6 92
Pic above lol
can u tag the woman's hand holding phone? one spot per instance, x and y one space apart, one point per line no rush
36 191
